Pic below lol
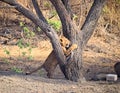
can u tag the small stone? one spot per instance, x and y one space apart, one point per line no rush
111 77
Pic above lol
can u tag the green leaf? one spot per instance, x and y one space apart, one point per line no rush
21 24
20 44
32 34
7 52
23 53
17 70
30 57
30 50
55 24
26 30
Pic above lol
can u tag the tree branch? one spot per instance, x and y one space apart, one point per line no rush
91 20
68 7
38 11
64 17
89 25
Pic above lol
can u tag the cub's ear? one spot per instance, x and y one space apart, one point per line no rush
61 36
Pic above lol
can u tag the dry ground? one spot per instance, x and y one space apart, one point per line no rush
100 55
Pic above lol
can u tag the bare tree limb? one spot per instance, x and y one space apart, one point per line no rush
64 17
91 20
38 11
11 2
68 7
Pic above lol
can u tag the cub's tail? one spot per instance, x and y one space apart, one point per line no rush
28 73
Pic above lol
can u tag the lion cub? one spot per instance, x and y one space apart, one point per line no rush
51 62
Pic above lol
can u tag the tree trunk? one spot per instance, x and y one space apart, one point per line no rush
78 36
74 66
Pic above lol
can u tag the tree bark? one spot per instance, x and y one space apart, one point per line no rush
38 11
67 24
74 68
78 36
68 7
92 19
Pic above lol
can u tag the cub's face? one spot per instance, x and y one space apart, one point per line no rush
64 42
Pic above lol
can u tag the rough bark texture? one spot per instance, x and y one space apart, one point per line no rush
78 36
65 18
75 63
68 7
38 11
71 68
91 20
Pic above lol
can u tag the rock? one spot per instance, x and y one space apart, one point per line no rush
111 77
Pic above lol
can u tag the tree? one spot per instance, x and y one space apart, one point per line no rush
72 68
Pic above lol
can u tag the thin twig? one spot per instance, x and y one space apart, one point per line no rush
7 7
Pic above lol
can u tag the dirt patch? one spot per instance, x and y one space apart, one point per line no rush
99 57
16 83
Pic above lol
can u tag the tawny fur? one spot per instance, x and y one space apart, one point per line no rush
51 62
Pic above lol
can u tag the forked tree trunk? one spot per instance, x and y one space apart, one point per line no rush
81 36
72 67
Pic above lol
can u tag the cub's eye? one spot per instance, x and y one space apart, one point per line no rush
61 40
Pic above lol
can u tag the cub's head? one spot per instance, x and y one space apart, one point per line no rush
64 42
